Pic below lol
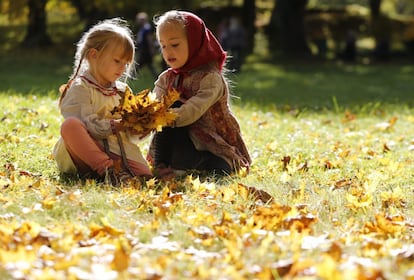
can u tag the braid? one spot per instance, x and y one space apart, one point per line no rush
64 88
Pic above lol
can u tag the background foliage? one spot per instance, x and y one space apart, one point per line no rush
309 21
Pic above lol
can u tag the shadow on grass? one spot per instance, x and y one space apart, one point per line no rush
300 86
325 85
37 71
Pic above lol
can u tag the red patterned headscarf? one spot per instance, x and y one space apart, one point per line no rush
202 44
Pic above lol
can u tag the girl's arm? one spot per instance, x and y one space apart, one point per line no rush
92 108
161 85
212 88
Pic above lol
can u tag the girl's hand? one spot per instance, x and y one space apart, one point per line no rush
117 126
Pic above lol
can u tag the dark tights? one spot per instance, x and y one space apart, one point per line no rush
174 148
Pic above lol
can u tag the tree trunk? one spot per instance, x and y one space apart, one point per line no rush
286 31
249 18
89 12
375 7
381 30
36 30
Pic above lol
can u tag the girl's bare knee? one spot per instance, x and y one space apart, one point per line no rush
70 125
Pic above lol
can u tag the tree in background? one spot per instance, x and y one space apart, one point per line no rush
381 30
249 19
36 35
286 30
35 11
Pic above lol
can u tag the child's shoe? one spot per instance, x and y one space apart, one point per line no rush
111 178
117 179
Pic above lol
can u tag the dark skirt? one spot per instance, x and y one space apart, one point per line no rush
173 148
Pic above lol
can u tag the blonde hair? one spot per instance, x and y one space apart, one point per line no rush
110 32
170 17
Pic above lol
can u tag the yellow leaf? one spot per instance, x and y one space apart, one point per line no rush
106 228
388 224
272 146
19 255
228 195
121 258
144 112
328 268
256 193
28 229
49 202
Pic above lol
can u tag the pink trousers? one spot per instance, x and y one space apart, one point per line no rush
88 154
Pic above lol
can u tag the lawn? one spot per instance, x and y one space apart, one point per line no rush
332 143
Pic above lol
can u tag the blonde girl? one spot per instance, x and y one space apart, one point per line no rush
206 136
93 142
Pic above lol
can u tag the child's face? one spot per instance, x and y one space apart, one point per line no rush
174 44
108 65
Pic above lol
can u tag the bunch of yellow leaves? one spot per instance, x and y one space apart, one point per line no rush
144 112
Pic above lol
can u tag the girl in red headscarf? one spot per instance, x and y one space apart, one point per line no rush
206 135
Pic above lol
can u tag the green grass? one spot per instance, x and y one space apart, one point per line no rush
349 183
330 85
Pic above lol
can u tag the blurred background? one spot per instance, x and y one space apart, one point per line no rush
38 37
327 29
